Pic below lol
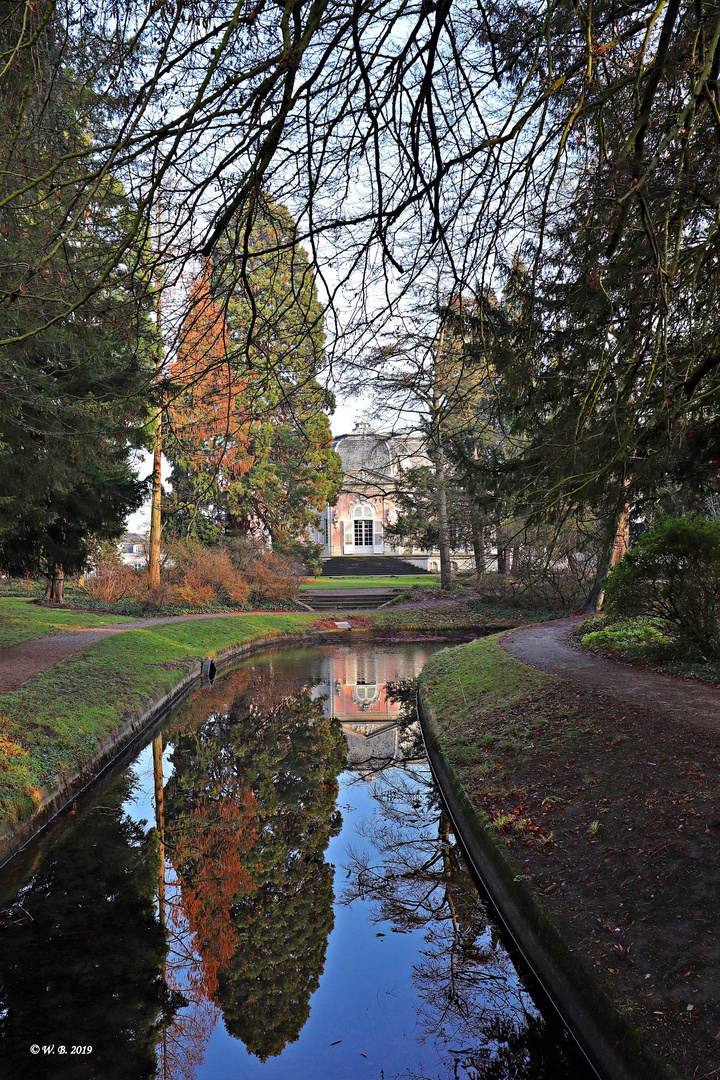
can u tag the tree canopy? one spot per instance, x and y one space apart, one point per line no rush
250 440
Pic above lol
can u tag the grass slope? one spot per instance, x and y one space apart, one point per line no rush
608 817
75 705
23 620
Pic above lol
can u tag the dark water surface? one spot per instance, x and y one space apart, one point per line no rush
270 889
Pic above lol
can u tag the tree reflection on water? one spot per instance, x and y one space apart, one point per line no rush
471 1005
82 952
249 812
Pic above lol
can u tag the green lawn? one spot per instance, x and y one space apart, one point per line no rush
23 620
428 581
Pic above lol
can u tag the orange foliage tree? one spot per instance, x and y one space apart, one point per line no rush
250 440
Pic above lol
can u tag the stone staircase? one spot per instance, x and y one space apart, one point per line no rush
346 599
369 566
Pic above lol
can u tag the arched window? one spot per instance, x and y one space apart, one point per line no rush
363 515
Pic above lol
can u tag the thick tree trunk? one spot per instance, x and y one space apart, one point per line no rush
478 543
55 591
516 557
501 560
156 499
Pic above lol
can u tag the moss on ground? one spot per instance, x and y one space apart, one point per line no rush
24 620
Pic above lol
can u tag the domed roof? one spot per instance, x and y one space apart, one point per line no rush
365 456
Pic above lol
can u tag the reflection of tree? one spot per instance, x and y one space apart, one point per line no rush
82 953
472 1007
249 813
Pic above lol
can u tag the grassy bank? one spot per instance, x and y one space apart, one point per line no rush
54 724
76 704
23 620
606 817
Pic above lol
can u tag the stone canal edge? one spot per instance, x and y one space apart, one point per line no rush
14 836
613 1047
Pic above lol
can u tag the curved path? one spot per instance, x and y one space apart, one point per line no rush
21 662
551 648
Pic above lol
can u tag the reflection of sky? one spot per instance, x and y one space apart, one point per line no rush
366 1003
365 997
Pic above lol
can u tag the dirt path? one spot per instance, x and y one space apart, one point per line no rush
551 648
24 661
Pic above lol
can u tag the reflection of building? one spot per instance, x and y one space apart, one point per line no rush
372 465
355 685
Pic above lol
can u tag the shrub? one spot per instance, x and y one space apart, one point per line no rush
204 575
270 576
673 573
112 580
641 631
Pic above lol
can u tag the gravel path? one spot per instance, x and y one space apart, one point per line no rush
24 661
551 648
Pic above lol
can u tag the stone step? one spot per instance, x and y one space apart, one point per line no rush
369 566
347 599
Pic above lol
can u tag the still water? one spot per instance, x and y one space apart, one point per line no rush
269 890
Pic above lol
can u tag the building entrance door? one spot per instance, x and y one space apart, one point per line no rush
363 534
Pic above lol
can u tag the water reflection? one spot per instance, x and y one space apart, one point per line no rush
359 686
471 1006
249 812
194 949
82 953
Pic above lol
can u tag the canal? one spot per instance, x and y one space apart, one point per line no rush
270 889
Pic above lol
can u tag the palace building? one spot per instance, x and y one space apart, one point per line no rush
356 524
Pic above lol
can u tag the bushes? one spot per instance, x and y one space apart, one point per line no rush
673 573
234 576
200 576
626 635
270 576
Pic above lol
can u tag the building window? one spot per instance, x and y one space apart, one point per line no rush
363 533
363 524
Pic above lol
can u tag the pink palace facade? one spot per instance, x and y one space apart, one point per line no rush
356 524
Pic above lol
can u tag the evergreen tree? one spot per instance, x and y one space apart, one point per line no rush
251 443
72 369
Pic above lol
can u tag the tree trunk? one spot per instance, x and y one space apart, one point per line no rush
613 551
478 543
55 591
155 511
501 560
156 501
444 537
516 557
